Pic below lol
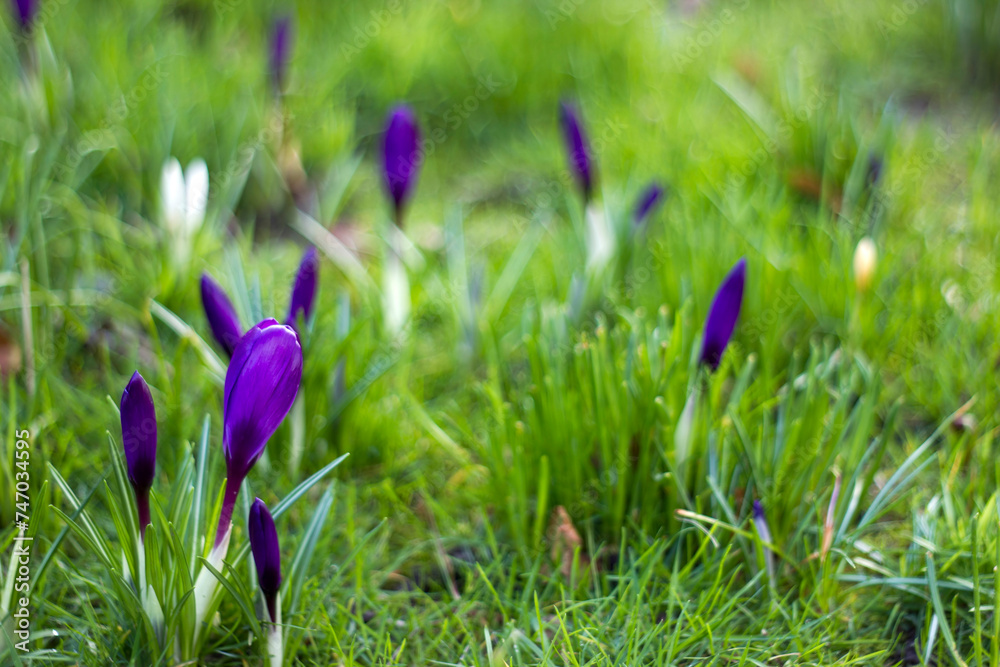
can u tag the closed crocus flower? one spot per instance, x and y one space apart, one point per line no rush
139 440
266 554
304 289
577 148
722 315
650 198
24 12
281 49
221 316
261 385
401 157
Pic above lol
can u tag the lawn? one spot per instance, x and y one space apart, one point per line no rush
511 427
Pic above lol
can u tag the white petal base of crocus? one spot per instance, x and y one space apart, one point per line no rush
206 584
275 639
396 293
600 238
154 612
685 429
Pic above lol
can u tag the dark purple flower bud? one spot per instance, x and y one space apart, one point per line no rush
281 48
760 523
304 289
401 156
266 554
139 439
24 12
261 384
874 169
651 197
722 316
222 317
577 148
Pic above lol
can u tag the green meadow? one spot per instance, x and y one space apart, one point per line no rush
534 467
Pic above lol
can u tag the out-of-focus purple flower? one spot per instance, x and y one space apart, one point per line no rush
875 165
139 440
281 49
651 197
24 12
222 317
304 289
577 148
723 314
760 523
401 156
266 554
261 384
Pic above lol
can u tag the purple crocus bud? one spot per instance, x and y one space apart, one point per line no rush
401 157
266 554
24 12
304 289
261 384
139 439
722 315
651 197
222 317
281 48
577 148
874 169
760 523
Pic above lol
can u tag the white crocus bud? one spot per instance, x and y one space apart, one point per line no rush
184 199
865 260
600 238
196 190
172 198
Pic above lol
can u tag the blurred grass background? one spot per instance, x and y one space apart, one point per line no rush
765 119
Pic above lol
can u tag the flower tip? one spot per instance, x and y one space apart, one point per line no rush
281 46
266 553
401 156
649 200
304 288
221 315
577 147
758 510
138 421
722 316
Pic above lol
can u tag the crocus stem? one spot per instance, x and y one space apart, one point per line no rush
396 288
275 636
226 516
142 505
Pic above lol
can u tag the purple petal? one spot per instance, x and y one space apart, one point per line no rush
139 432
261 384
24 11
221 315
722 316
651 197
281 47
577 148
304 289
266 553
401 155
139 440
